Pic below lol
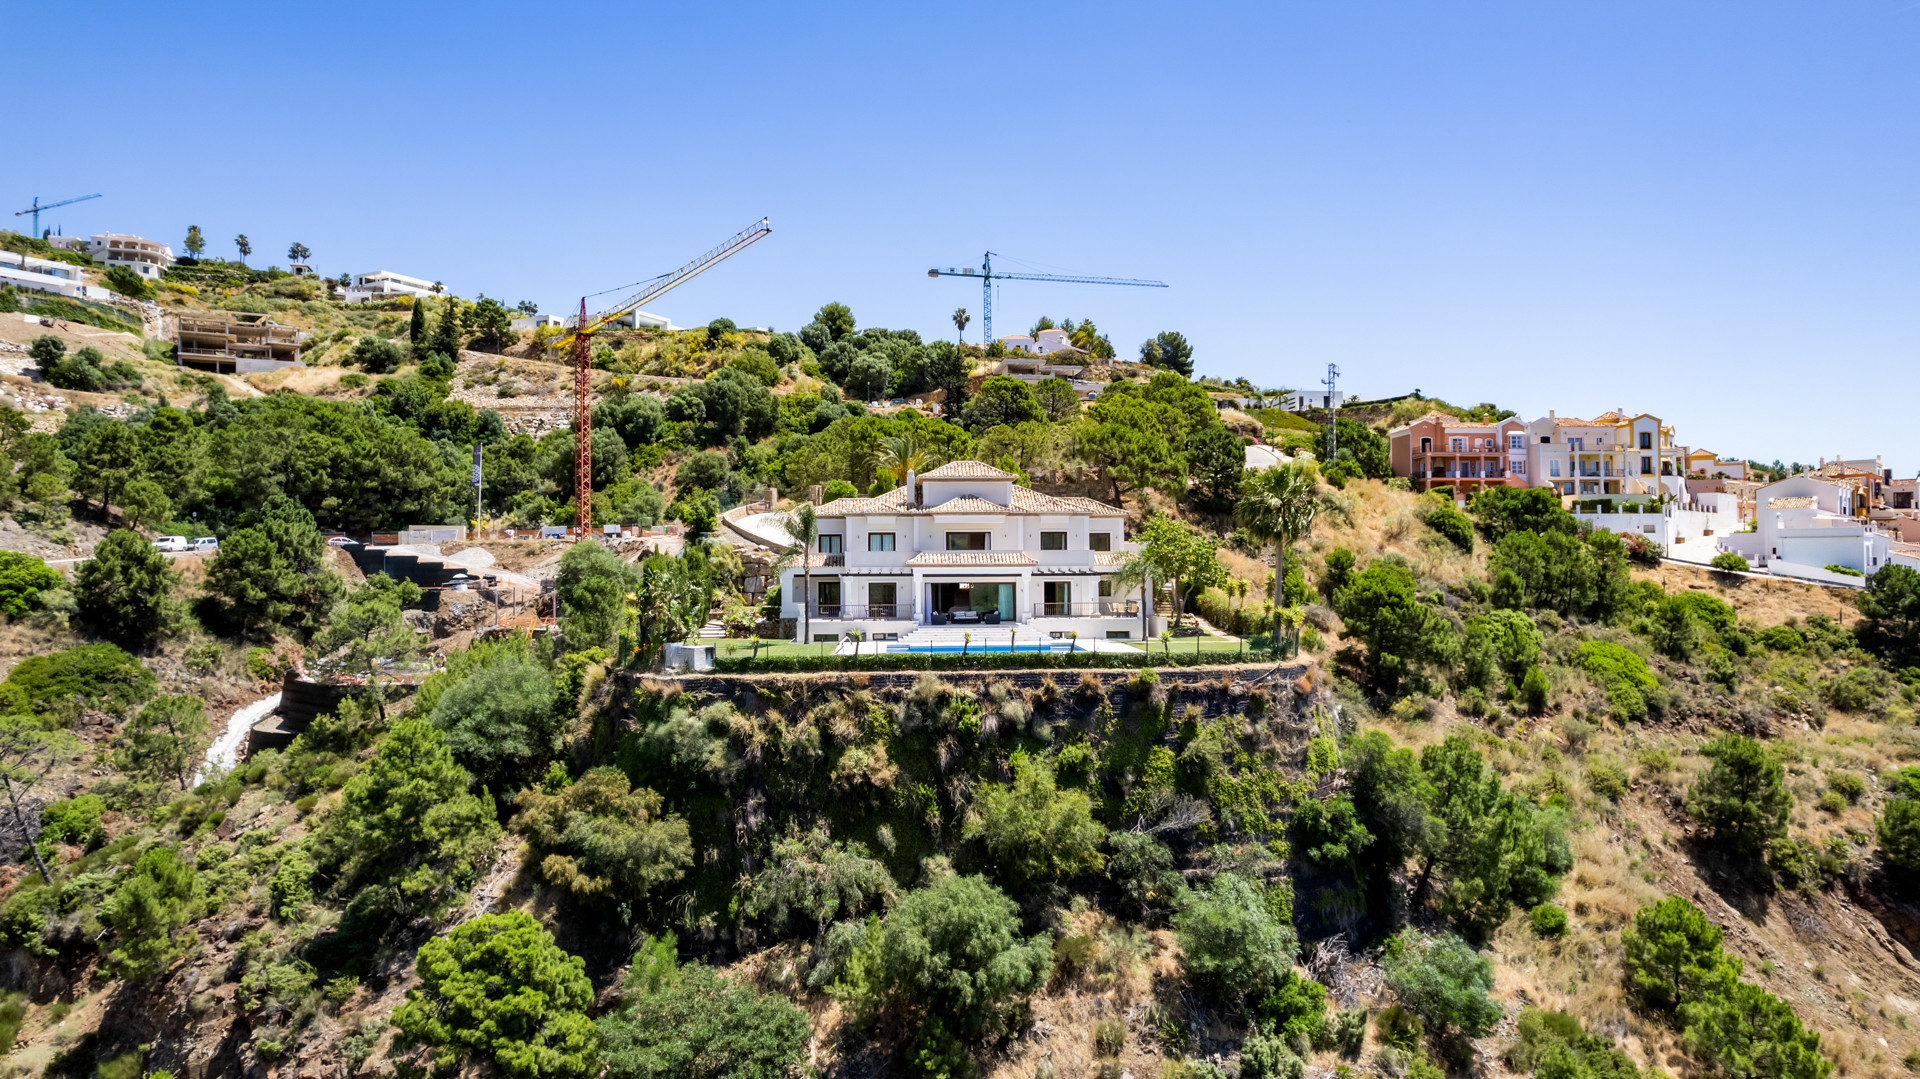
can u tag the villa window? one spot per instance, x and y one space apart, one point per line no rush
966 541
1426 445
1646 466
879 541
1515 442
1106 587
1553 468
1099 541
830 544
1459 444
1053 541
1646 440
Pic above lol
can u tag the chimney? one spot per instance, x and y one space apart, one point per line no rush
913 490
813 494
773 497
1550 414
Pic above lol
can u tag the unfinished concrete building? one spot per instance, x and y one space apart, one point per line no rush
232 343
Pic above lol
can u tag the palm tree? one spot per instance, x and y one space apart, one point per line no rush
805 530
1277 507
245 247
960 320
900 454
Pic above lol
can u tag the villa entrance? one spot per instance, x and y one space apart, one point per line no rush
967 602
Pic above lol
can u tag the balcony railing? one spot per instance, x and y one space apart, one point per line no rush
864 612
1444 474
1106 608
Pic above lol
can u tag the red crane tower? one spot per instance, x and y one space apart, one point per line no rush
580 338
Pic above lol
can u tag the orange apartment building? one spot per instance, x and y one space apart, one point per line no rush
1438 450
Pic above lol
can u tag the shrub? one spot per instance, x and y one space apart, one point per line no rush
22 579
1607 779
498 990
149 913
1730 562
1109 1037
1845 571
600 839
1742 800
1443 980
1548 920
376 355
1035 831
1235 942
814 878
953 948
1264 1056
60 685
692 1022
1451 524
1622 674
74 820
1847 785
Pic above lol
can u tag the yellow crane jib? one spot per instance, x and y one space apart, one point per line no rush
652 290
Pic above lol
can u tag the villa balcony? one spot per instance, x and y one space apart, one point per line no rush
1106 608
863 612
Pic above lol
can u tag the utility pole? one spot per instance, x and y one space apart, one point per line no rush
1333 404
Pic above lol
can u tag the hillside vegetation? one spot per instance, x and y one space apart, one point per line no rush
1526 802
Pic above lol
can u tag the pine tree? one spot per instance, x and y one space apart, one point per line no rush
195 242
446 338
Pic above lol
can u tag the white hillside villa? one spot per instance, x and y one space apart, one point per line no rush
1802 525
963 549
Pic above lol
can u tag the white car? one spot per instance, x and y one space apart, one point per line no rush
171 544
205 543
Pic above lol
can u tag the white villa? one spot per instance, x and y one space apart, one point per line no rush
142 256
1803 524
385 285
963 549
1044 343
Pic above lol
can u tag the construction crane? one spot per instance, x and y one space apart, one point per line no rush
39 206
987 277
580 339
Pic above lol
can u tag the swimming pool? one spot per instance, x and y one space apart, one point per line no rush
972 650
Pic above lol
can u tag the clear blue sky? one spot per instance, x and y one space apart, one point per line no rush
1704 210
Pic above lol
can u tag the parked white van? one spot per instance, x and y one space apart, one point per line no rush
205 543
171 543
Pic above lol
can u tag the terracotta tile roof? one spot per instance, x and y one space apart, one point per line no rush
968 470
968 504
894 501
1109 558
971 558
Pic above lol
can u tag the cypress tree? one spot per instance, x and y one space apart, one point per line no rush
417 331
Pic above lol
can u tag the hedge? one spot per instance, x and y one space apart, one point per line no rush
985 661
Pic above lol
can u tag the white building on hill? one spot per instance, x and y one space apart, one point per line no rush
385 285
964 549
142 256
1802 525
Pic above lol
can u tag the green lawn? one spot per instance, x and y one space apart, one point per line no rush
1186 644
732 647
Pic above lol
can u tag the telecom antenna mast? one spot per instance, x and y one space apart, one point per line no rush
1333 405
580 339
988 277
